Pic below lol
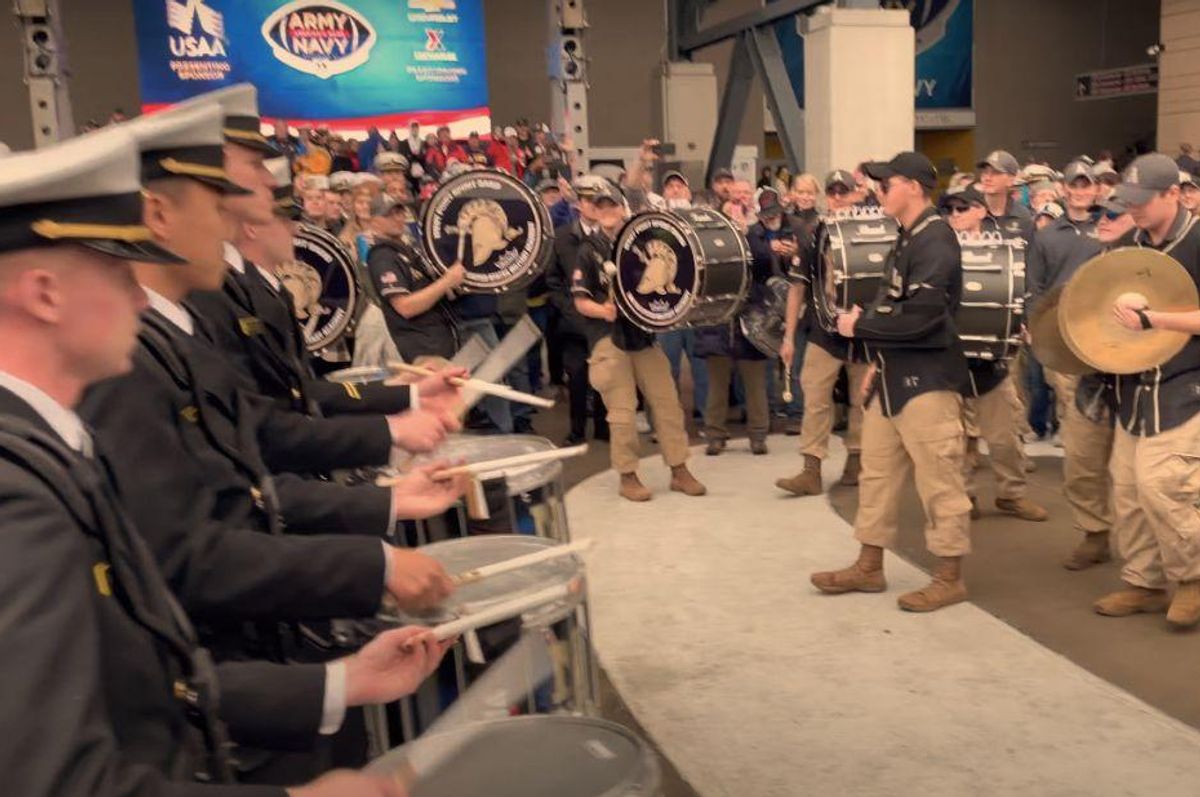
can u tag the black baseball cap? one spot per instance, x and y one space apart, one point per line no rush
1147 176
966 195
840 177
912 165
722 174
768 203
675 174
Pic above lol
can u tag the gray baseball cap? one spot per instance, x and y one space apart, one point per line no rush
1001 161
840 177
1147 176
1078 170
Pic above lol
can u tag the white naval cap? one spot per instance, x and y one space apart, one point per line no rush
341 181
316 182
390 161
239 104
86 190
187 142
280 169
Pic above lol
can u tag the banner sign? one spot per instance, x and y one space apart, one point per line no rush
945 31
1123 82
347 65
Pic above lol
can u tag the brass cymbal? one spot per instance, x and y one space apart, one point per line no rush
1085 309
1047 341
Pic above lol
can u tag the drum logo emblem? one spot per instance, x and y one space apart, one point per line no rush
321 282
661 267
485 221
323 38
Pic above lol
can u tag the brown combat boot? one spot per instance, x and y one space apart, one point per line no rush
974 461
1023 508
865 575
1185 606
807 482
682 481
945 589
1093 550
1132 600
851 471
632 488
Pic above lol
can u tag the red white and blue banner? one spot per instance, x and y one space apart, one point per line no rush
345 65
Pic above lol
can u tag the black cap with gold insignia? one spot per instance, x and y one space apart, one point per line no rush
187 142
242 123
86 190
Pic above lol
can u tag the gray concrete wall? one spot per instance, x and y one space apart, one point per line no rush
1027 54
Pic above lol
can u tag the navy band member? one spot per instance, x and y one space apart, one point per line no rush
1155 462
1056 253
624 358
992 404
104 685
415 299
249 316
914 424
825 355
997 173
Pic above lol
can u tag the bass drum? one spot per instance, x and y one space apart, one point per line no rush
993 300
852 253
494 225
762 323
681 268
323 283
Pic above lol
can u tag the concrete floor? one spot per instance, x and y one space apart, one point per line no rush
1014 575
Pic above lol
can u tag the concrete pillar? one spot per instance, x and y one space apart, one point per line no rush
859 74
688 102
1179 76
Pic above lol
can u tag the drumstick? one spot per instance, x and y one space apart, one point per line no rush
787 382
505 610
518 562
491 466
491 388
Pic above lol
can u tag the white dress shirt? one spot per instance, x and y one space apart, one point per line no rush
65 423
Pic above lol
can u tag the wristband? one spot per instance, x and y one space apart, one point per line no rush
1144 317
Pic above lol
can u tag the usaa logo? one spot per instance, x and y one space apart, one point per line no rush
319 38
184 17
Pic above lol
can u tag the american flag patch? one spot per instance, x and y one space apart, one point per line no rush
388 277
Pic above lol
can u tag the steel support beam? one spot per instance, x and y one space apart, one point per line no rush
691 39
733 106
789 119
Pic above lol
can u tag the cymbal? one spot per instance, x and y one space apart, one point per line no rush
1085 309
1047 340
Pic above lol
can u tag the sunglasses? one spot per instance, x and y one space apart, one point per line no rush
838 190
954 210
1112 215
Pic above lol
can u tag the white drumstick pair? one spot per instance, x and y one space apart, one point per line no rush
491 388
494 467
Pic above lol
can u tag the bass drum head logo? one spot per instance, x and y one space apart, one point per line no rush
656 271
323 38
493 224
321 281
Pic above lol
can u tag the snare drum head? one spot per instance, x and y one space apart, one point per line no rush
322 283
494 223
657 270
521 479
534 756
468 553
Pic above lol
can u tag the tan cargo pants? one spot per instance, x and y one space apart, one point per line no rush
1087 448
995 415
754 380
818 376
926 439
618 375
1156 483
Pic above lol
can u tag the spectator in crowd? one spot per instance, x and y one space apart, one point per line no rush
676 191
504 153
536 171
413 147
284 141
476 152
1047 214
1189 193
524 139
393 170
764 178
801 203
722 185
358 220
442 150
1043 193
393 142
369 149
638 183
783 181
313 197
1109 179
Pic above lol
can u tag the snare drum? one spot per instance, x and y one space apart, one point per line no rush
680 268
527 499
562 621
853 248
993 300
528 757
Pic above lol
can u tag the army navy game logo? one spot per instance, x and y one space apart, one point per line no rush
491 223
321 281
656 271
323 38
197 41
